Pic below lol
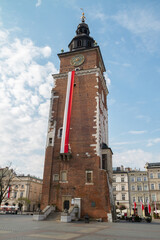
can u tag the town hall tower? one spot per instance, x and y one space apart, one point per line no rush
78 160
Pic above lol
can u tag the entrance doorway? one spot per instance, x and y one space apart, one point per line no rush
66 204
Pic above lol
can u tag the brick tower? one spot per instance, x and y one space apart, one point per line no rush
78 161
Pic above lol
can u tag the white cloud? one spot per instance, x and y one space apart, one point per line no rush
152 142
142 23
24 86
39 2
138 21
135 158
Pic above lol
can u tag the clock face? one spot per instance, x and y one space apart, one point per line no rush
77 60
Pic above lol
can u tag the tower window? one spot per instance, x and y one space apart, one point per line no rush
63 176
55 177
79 43
50 140
89 176
89 44
104 161
60 131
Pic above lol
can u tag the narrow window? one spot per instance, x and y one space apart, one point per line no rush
153 197
55 177
145 179
140 199
122 179
139 188
79 43
138 179
133 188
151 175
145 187
50 140
15 195
123 197
63 176
21 194
89 44
60 131
89 176
146 199
133 199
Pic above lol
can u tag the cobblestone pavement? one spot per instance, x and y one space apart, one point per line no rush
19 227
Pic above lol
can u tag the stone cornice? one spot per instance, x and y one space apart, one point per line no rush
84 72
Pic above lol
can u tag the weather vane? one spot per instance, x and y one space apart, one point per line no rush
83 17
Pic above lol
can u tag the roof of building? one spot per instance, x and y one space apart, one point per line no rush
153 165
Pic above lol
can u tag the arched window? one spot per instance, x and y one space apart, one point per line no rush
60 131
89 44
79 43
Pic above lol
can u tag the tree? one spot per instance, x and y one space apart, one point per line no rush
6 176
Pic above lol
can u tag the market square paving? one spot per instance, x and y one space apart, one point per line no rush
20 227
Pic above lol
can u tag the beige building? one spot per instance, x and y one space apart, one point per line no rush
120 187
138 190
153 172
27 187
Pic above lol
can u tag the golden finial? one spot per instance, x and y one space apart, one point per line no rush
83 17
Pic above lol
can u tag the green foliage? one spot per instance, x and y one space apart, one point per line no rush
24 201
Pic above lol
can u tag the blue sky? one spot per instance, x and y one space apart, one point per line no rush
32 32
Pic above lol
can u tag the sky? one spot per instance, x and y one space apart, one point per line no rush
33 32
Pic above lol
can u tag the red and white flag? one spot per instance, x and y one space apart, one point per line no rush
67 113
135 205
142 206
8 191
149 208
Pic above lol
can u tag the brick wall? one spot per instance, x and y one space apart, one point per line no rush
95 196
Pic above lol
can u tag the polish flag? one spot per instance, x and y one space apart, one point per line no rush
142 206
149 208
135 205
67 113
8 192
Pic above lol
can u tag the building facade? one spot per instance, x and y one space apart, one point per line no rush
141 187
24 187
78 161
153 172
120 187
138 190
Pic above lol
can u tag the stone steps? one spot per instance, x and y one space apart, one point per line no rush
54 216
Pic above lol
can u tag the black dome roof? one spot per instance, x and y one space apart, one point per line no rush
82 40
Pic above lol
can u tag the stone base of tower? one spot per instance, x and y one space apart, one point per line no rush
95 200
